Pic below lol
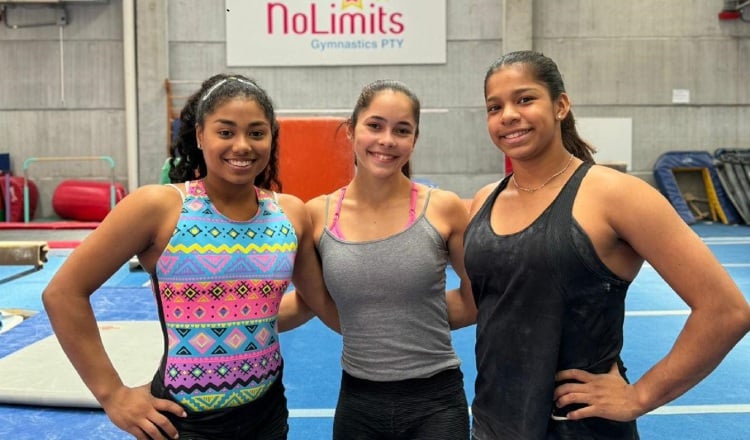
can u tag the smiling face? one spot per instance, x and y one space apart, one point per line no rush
236 140
522 119
385 133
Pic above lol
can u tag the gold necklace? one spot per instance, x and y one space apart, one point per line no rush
531 190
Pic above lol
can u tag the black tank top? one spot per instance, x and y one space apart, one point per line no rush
546 302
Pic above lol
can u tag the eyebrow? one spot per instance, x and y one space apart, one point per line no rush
514 93
524 90
234 124
380 118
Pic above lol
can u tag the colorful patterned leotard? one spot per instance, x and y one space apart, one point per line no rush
220 283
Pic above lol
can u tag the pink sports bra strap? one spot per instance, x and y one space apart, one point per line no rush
413 204
336 230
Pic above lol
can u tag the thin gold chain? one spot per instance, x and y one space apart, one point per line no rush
531 190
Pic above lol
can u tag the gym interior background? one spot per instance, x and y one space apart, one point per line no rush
83 78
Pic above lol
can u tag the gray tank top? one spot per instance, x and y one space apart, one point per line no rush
390 294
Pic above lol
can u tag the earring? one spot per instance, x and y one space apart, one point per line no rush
200 147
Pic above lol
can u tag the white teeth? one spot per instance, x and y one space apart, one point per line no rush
382 156
240 163
516 134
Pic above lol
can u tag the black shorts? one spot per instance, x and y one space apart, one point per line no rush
434 408
262 419
592 428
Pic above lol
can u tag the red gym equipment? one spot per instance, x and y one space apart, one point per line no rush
77 199
84 200
315 156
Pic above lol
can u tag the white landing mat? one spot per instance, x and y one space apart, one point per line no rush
40 374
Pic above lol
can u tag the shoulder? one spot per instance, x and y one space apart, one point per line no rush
154 197
148 212
317 204
485 191
444 201
316 208
621 197
609 183
289 203
447 212
481 196
295 210
160 189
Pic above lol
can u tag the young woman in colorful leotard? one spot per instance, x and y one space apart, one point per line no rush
221 250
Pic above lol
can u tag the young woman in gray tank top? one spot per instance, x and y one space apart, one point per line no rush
385 243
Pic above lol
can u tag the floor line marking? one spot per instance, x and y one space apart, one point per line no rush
732 242
646 265
657 313
311 413
738 238
670 410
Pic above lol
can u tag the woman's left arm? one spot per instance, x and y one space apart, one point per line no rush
719 317
453 213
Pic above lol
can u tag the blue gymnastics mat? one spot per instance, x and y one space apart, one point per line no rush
718 408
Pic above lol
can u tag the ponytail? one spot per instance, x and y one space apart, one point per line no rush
572 140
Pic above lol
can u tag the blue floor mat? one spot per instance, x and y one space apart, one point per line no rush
313 370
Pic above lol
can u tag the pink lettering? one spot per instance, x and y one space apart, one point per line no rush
375 21
270 19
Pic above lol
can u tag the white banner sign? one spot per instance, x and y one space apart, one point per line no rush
335 32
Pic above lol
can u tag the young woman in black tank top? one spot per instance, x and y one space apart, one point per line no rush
550 252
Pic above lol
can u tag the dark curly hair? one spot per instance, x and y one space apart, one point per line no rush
187 162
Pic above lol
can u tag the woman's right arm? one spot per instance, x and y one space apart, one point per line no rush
307 276
128 230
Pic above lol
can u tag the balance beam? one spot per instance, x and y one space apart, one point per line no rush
23 253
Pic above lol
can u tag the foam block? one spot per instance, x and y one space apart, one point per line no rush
40 373
23 253
315 156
